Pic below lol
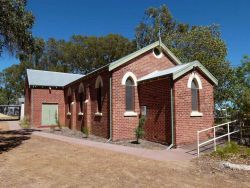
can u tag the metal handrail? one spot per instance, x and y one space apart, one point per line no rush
214 135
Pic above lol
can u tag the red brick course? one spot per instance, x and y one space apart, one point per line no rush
27 104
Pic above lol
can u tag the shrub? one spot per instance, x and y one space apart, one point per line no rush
139 130
57 121
25 123
231 149
85 130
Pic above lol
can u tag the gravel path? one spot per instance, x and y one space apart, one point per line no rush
131 143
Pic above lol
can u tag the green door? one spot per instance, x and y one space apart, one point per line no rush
49 114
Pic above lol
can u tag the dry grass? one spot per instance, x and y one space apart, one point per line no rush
3 117
41 162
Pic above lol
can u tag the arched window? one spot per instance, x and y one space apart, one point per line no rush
130 94
195 95
99 98
99 93
81 95
69 99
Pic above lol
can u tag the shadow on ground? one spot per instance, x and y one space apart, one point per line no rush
13 138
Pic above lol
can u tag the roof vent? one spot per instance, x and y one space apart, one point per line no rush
157 52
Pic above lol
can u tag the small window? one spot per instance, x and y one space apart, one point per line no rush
130 94
99 97
195 95
157 52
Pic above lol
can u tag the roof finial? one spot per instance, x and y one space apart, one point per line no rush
159 32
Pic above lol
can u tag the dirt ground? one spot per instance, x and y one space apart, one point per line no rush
41 162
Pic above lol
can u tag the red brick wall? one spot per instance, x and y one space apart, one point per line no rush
186 126
40 96
27 103
123 127
158 119
98 125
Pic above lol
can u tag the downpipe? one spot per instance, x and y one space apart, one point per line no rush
110 110
172 116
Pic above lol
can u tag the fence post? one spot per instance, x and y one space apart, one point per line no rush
228 132
214 140
198 144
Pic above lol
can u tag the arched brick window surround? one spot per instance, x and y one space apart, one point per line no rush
127 79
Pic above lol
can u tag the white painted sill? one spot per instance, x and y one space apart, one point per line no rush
130 114
98 114
80 114
196 114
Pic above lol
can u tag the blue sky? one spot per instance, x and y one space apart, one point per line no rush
62 18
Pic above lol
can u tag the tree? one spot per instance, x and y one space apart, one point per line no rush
241 88
47 55
15 26
189 43
12 81
85 54
3 96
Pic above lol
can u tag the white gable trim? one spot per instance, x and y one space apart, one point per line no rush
98 81
192 76
127 75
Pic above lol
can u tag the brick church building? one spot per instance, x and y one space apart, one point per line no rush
176 98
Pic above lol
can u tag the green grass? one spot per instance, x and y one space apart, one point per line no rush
232 149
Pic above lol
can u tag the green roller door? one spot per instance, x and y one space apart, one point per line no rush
49 114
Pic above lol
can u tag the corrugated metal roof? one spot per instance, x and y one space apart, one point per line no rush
165 72
49 78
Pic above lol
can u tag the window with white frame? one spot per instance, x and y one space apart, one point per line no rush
157 52
195 95
130 94
99 93
129 80
194 83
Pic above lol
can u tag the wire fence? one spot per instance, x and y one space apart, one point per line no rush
10 112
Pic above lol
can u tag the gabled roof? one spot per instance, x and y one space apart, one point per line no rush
133 55
178 71
50 79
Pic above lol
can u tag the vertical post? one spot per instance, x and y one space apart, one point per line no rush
214 140
228 132
198 144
